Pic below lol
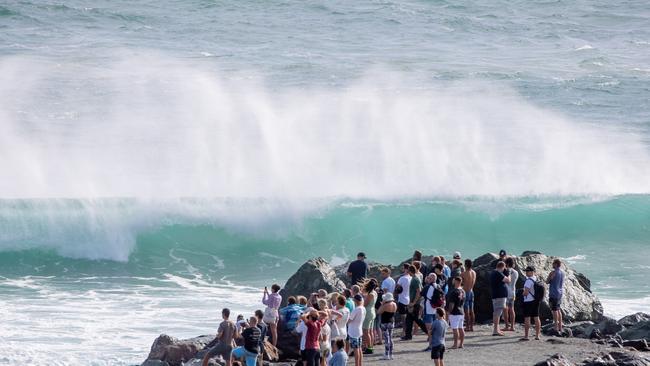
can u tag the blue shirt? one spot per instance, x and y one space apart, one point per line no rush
498 287
291 314
556 288
446 271
438 329
340 358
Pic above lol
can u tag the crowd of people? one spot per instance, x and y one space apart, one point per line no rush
432 298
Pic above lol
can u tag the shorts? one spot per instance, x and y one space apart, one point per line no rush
355 342
510 302
555 303
251 358
438 352
469 300
270 315
498 305
220 349
531 309
429 318
401 308
368 321
456 321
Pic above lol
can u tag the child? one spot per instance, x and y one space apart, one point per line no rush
438 330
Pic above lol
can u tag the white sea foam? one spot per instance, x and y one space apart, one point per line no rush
618 308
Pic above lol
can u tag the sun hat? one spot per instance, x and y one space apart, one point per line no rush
387 297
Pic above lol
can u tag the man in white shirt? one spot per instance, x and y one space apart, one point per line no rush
388 284
531 305
403 298
355 329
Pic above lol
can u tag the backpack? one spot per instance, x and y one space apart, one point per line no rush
398 289
437 299
540 290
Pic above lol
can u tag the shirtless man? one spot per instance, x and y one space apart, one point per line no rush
469 279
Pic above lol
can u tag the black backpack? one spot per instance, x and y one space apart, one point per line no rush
540 290
437 299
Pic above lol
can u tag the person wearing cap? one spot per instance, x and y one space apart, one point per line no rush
386 314
531 305
358 270
499 286
355 328
457 256
502 255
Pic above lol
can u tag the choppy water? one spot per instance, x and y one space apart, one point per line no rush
160 160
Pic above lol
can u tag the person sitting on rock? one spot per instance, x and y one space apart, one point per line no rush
223 342
556 283
531 304
251 348
271 315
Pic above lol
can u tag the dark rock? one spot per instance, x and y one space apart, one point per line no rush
634 319
579 329
374 271
556 360
637 344
565 333
578 303
530 252
485 259
606 327
154 363
583 281
315 274
175 352
617 358
640 330
288 345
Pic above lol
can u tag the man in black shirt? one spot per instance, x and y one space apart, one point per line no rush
456 313
358 270
499 287
251 335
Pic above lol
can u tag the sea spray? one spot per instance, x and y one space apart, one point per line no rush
155 127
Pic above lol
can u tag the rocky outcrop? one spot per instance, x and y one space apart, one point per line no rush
634 319
174 352
315 274
556 360
578 304
618 359
374 271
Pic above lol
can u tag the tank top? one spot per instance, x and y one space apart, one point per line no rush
387 317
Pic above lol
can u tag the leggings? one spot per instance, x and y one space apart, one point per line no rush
313 357
387 331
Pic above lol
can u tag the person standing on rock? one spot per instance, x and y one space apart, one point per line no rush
271 315
469 279
509 312
358 270
556 291
251 348
223 341
499 286
456 314
531 304
355 329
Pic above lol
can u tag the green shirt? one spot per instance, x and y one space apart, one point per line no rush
415 287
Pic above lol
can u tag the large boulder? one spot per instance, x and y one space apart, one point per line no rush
315 274
619 358
173 351
288 345
640 330
634 319
374 271
578 304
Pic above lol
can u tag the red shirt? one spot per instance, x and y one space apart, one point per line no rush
313 332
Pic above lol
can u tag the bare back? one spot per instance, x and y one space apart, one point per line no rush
469 279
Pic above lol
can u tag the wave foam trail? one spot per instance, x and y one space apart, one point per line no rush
151 127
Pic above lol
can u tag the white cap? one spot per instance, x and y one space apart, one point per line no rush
457 255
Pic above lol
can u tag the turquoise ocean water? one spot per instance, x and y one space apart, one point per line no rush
161 160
